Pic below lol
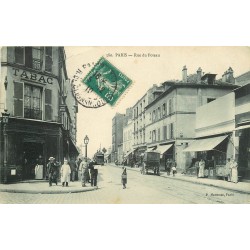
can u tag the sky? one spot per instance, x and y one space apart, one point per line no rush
156 66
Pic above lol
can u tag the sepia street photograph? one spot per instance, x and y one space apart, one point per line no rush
125 125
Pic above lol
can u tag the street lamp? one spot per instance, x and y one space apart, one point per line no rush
5 121
86 141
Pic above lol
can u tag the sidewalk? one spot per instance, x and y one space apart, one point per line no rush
42 187
241 187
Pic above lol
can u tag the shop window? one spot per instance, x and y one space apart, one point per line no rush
32 102
48 59
19 55
18 99
48 104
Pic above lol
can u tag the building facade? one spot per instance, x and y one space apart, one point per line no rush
117 135
171 117
139 120
128 142
42 123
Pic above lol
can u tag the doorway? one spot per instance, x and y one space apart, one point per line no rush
32 150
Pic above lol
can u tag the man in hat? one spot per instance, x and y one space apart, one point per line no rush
52 171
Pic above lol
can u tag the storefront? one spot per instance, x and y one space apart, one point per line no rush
214 151
29 143
214 136
242 130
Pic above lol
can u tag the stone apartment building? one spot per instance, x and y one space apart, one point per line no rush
170 118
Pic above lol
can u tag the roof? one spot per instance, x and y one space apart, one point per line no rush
191 85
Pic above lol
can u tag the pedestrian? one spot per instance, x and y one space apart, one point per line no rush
197 168
92 173
228 170
39 168
84 172
124 177
174 165
65 173
52 171
73 168
234 171
201 168
169 163
78 170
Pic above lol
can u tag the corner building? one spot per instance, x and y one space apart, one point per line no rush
42 122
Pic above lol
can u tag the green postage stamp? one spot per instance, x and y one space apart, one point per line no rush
107 81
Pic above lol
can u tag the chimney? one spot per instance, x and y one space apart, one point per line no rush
184 74
230 75
224 77
199 72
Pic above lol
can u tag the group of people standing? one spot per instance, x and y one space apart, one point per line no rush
83 171
171 165
230 170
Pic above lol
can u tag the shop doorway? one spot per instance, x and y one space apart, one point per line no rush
32 151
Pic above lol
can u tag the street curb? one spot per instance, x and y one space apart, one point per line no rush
48 192
196 182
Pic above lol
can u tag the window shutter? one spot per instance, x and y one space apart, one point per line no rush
18 99
28 57
48 104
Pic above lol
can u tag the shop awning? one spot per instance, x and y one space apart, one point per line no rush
205 144
243 127
128 153
164 148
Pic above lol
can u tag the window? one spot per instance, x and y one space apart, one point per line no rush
32 102
159 134
164 132
48 104
18 99
171 131
37 55
19 55
153 135
210 100
159 112
48 59
164 109
150 134
170 106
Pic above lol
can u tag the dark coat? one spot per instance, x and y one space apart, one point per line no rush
124 177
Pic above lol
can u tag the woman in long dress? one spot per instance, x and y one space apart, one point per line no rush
201 168
234 172
39 168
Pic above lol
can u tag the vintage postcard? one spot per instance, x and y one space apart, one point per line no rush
125 125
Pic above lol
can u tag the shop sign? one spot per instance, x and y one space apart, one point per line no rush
26 75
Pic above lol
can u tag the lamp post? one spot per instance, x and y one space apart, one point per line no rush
86 141
5 120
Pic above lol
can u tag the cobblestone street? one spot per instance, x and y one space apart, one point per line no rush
141 189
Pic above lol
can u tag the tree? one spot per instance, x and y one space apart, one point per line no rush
104 150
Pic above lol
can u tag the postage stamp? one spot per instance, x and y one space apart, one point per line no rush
107 81
82 93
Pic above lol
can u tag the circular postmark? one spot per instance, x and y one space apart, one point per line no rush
84 95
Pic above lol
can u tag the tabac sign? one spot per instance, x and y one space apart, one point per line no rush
35 77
